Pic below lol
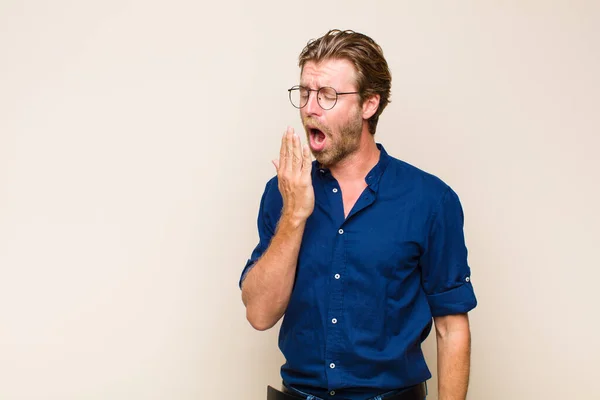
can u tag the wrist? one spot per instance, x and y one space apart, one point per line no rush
292 221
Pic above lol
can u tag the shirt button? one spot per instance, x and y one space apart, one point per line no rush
468 279
322 171
337 276
341 231
334 190
332 393
334 320
332 365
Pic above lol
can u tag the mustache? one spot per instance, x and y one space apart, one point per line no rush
314 124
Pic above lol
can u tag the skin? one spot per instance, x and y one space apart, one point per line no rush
350 152
453 338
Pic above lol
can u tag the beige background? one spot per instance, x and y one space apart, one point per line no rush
136 139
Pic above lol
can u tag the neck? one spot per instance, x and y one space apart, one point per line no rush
358 164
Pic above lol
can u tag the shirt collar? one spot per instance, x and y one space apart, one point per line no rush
372 177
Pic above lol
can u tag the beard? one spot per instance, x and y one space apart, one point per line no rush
339 146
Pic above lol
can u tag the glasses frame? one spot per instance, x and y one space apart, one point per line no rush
298 87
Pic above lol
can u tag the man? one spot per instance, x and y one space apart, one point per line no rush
358 249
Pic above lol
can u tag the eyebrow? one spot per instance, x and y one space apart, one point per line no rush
308 87
306 84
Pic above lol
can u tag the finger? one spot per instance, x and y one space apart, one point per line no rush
276 164
282 152
289 135
297 154
306 162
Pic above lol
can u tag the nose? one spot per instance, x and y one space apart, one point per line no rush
312 106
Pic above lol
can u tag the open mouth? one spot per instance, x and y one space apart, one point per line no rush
317 139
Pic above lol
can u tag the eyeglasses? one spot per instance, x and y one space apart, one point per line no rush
326 96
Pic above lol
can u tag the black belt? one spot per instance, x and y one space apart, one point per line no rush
417 392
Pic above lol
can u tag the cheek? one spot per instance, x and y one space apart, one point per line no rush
335 120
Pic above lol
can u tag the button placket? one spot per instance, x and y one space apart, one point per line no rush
334 335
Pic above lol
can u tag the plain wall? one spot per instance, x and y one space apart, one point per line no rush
136 138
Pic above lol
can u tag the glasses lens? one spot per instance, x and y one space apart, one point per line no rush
327 97
298 97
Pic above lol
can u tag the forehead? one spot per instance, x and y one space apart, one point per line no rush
337 73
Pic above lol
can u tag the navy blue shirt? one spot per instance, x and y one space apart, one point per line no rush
367 286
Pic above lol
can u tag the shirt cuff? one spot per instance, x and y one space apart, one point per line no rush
457 300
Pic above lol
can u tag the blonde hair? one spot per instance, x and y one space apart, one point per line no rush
373 74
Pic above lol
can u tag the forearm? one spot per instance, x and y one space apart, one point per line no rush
454 353
267 288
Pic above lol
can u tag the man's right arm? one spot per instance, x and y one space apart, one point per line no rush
267 287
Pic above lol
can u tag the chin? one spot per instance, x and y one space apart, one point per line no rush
323 159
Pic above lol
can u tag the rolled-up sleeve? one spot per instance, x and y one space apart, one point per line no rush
268 216
446 275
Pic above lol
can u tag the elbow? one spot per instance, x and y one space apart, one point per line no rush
260 325
259 321
260 316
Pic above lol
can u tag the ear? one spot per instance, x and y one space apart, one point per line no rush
370 106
